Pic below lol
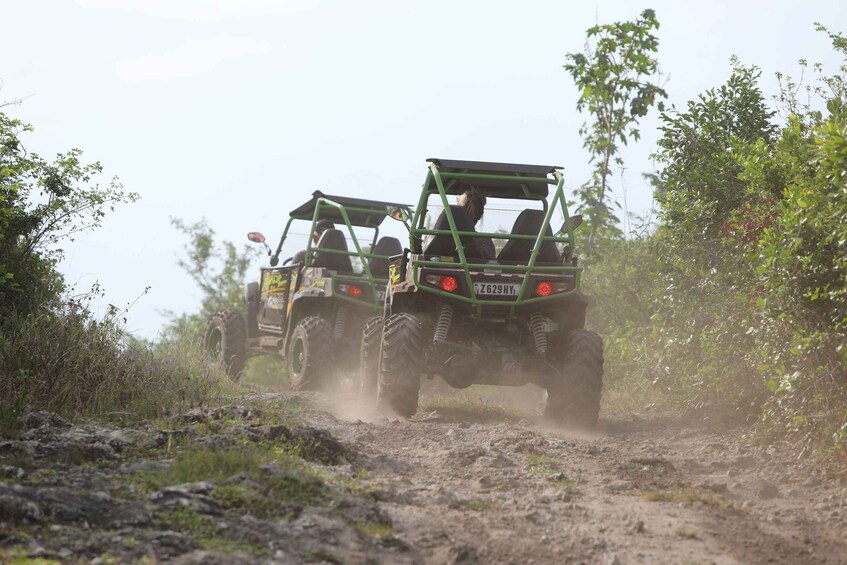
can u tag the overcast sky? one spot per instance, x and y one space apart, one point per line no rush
236 110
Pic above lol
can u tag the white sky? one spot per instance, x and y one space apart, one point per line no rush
236 110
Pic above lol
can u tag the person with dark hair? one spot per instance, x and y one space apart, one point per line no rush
473 201
320 227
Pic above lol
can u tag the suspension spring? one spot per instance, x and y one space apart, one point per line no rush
442 328
340 322
538 325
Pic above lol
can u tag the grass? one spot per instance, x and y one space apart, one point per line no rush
476 505
688 495
547 466
374 529
18 556
203 530
687 533
72 364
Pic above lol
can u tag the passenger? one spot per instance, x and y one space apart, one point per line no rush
473 201
320 228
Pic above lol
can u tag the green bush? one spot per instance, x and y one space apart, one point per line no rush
68 362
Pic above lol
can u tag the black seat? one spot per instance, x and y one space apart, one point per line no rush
529 222
333 239
444 244
388 246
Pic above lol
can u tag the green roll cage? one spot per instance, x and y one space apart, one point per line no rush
352 212
500 181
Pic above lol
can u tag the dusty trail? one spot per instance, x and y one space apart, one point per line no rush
461 489
277 478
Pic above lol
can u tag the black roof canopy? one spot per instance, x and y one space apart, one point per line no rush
370 213
500 188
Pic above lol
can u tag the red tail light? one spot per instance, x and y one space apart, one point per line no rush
351 290
544 288
448 283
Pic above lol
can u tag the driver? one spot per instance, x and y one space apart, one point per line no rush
473 201
320 228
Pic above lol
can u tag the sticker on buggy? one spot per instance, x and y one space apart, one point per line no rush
394 274
274 284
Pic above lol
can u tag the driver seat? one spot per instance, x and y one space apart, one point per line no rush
333 239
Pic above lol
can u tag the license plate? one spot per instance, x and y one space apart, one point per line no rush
496 289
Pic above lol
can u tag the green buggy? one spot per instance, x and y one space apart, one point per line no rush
512 319
311 312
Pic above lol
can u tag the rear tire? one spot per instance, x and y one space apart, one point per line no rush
309 353
573 397
225 341
401 360
369 359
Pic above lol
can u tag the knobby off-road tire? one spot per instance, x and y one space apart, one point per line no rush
573 398
402 356
225 340
309 354
369 360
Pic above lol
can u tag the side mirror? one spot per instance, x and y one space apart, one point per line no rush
571 223
397 213
257 237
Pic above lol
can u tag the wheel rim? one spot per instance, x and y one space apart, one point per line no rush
214 345
298 357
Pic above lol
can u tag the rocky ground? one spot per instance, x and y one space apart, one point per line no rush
278 478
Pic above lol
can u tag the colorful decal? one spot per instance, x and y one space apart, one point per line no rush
275 284
394 274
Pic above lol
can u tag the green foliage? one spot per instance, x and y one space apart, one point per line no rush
42 205
615 76
735 305
700 173
218 269
68 362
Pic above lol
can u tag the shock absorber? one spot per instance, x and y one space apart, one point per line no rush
340 322
442 328
538 325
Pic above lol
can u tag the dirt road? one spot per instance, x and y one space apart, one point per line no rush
301 478
468 484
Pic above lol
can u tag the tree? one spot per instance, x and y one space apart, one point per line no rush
43 204
617 75
698 154
217 269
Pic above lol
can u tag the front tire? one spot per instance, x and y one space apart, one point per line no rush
401 361
573 397
225 341
308 354
369 359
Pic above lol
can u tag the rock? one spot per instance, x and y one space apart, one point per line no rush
168 545
11 472
15 509
611 559
766 490
498 461
202 557
40 420
636 527
462 554
192 496
464 425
